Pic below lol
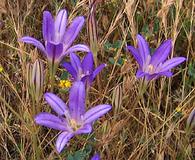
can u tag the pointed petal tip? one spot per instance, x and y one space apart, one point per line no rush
183 59
39 116
139 36
81 18
130 48
108 108
179 59
46 12
168 42
23 39
62 10
47 93
96 112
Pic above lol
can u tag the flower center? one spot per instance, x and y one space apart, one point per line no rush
75 126
83 74
151 69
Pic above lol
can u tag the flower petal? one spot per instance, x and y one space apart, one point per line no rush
95 112
56 103
75 62
143 48
87 128
62 140
167 74
70 69
77 100
149 77
60 25
34 42
157 75
73 30
51 121
140 73
54 51
96 157
135 54
88 63
161 53
47 26
87 79
78 47
169 64
98 70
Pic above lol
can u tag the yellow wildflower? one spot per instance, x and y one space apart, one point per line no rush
65 84
178 110
1 69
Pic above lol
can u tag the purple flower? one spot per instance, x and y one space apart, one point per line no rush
84 70
96 157
58 39
152 67
72 120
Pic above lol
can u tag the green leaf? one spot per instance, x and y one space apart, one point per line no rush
64 75
191 70
120 61
111 60
64 91
81 154
107 46
156 25
113 46
145 29
117 44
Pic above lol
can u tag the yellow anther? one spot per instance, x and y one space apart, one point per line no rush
65 84
74 125
151 68
68 84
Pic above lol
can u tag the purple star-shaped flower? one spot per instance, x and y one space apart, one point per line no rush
58 39
73 120
152 67
82 70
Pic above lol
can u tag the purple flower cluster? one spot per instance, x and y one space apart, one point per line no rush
70 120
73 119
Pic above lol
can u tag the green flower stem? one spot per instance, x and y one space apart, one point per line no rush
52 71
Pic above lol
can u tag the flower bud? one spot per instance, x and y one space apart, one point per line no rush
35 77
191 121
